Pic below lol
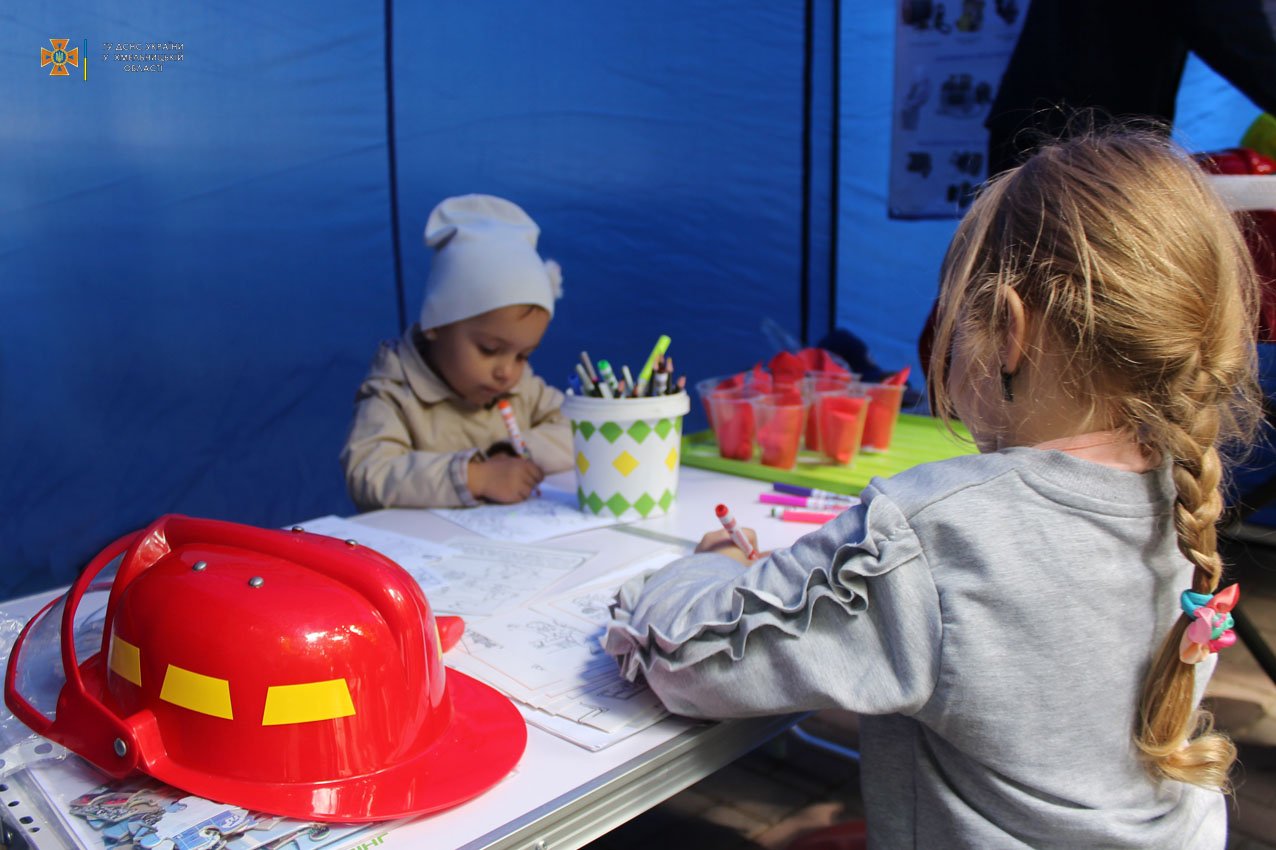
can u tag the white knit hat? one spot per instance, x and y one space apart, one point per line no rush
484 259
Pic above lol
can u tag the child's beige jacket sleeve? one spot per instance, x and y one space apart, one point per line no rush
382 467
412 440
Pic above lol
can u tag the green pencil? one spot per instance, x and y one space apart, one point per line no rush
644 377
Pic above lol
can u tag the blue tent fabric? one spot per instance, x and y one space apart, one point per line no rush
658 146
196 265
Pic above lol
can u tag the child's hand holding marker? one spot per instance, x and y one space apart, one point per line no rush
516 438
504 479
740 544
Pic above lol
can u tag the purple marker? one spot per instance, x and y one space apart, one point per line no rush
811 493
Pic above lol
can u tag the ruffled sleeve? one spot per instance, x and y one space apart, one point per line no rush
848 617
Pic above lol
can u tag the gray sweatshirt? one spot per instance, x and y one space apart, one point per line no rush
992 616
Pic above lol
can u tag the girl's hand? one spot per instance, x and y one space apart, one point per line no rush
504 479
720 542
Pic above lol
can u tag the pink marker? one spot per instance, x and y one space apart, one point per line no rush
818 503
795 515
733 529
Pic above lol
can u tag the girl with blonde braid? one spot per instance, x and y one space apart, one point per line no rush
1027 631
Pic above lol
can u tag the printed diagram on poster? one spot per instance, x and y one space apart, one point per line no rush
949 58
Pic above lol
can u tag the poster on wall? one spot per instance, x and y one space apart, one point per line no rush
949 57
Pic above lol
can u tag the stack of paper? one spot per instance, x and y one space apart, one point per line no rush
543 653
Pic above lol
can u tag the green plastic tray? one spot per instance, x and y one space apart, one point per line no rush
918 439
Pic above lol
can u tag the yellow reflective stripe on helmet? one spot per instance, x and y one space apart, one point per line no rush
307 702
126 660
197 692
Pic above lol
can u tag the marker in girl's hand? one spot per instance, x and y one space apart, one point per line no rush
734 531
798 515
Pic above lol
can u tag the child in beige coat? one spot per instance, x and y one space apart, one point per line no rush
426 430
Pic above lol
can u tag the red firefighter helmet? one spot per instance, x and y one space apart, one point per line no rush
286 672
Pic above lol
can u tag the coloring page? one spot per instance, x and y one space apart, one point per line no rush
591 604
486 576
532 648
414 554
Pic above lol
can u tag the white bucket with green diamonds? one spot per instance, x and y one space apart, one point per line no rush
626 453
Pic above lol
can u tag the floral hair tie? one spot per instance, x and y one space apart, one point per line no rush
1210 629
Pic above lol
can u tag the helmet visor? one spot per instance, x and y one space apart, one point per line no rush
39 675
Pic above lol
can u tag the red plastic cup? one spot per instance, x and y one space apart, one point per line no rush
731 412
780 418
882 415
718 383
814 387
704 389
842 419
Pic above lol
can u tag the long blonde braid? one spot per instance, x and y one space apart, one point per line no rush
1135 270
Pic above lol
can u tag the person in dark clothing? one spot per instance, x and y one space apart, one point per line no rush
1125 60
1080 64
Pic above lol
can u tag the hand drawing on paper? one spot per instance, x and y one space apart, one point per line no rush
553 514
